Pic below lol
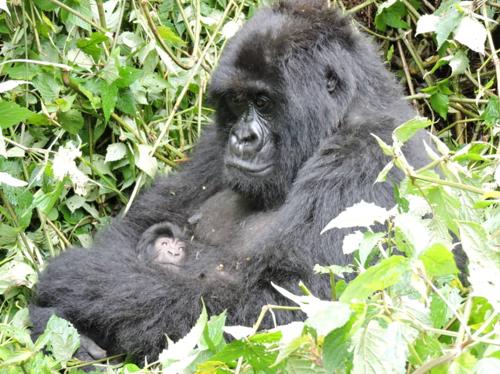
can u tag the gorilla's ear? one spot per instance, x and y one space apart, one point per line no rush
332 81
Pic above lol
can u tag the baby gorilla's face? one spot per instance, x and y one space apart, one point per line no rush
167 250
162 244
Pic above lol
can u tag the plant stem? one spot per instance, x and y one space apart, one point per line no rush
77 14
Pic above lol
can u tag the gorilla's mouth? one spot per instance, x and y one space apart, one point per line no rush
249 168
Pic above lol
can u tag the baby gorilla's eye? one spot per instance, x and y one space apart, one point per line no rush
262 102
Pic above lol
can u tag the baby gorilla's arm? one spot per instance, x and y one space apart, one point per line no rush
162 244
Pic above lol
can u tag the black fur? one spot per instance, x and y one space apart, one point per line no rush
331 91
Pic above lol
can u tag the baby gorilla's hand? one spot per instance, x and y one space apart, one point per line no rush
162 244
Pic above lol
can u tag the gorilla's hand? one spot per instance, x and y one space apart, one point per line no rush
89 350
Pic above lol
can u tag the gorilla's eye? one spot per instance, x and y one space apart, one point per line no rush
262 102
331 81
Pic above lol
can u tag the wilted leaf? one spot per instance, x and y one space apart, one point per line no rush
179 355
427 23
11 84
447 23
471 33
115 152
459 63
145 161
323 316
9 180
362 214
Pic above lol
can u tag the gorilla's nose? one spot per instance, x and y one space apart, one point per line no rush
246 140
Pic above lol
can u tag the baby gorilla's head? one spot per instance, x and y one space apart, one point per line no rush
167 250
162 244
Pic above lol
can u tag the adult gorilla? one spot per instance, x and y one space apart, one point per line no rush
297 94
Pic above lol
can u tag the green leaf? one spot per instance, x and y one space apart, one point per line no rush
109 97
390 13
378 349
64 339
91 45
336 347
213 335
11 114
484 261
126 102
406 131
439 102
386 148
439 311
491 114
438 261
170 36
385 274
71 121
128 75
48 86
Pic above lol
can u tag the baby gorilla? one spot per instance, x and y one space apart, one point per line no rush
162 244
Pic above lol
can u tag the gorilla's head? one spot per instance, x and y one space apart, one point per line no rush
285 81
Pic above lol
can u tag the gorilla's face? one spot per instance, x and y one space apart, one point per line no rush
273 93
250 150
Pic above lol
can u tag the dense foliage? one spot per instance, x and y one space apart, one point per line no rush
97 97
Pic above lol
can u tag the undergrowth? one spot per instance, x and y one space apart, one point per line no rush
97 97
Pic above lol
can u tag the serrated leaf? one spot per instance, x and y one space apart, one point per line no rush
439 102
438 261
446 25
471 33
385 274
459 63
406 131
382 176
64 339
71 121
170 36
378 349
427 23
323 316
386 148
145 161
362 214
484 262
48 86
91 46
179 355
11 114
491 114
109 97
115 152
